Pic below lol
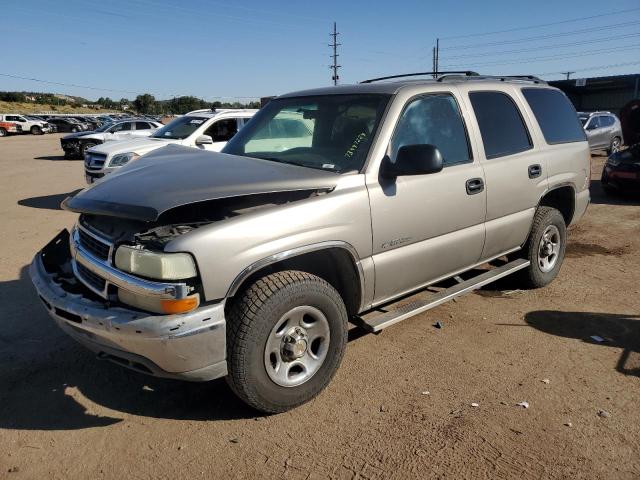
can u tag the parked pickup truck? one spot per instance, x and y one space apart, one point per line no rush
36 127
249 264
204 129
9 127
75 144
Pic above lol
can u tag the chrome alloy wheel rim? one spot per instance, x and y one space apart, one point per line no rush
297 346
549 248
615 145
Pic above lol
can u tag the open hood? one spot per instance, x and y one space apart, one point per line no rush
174 176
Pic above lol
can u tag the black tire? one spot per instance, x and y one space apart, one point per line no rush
534 276
85 146
3 132
36 130
251 320
614 146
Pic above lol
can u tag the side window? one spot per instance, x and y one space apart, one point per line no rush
142 126
121 127
223 130
555 115
594 123
608 121
436 120
501 126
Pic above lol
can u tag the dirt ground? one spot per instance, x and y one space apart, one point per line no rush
64 414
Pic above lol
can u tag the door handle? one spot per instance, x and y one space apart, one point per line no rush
474 185
535 171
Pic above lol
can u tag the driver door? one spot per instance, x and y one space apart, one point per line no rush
426 227
221 132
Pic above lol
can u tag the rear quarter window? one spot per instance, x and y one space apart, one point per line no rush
556 116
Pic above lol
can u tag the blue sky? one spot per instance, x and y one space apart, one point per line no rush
250 48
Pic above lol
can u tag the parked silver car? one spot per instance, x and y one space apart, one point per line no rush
603 129
326 208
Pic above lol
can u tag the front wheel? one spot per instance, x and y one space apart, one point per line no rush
83 147
545 248
36 130
286 335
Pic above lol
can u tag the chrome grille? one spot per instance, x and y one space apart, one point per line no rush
94 246
91 278
95 160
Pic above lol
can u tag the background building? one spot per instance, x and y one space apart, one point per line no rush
601 93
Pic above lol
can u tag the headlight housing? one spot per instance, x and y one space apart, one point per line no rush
156 265
122 159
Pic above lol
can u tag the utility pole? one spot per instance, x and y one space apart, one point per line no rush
433 64
437 62
568 74
335 55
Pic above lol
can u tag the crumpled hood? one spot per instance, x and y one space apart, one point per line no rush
174 176
77 134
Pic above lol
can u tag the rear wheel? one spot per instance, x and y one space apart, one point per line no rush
286 335
3 132
545 248
614 146
83 147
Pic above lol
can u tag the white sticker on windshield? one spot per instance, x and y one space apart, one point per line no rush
195 121
328 166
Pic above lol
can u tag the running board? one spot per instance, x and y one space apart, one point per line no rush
384 320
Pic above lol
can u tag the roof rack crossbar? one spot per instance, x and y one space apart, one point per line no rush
467 73
530 78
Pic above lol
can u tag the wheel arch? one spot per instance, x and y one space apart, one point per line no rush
563 198
336 262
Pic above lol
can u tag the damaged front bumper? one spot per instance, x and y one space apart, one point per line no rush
189 346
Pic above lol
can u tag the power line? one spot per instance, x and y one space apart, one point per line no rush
557 45
561 22
541 37
335 55
66 84
598 67
548 57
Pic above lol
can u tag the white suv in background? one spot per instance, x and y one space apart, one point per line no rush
75 144
36 127
204 129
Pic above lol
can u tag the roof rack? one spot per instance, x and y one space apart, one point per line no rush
502 78
467 73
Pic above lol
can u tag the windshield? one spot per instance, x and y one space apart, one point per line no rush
329 132
180 128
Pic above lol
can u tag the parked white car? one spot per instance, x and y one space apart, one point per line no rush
75 144
36 127
204 129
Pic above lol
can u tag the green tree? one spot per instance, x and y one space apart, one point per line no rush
145 103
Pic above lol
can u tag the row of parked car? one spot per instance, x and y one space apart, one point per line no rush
12 123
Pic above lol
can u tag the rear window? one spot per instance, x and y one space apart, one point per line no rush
555 114
501 126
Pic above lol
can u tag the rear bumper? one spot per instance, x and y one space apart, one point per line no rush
189 346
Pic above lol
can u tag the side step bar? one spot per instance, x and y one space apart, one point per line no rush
384 320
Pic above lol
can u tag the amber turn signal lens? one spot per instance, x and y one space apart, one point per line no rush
179 306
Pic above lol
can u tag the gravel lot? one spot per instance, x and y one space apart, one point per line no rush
64 414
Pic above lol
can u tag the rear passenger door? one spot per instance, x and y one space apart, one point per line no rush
515 173
427 226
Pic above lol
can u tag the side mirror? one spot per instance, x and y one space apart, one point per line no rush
413 160
204 140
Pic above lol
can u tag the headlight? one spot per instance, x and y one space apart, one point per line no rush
158 265
122 159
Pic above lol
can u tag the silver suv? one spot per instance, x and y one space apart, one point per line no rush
603 129
328 207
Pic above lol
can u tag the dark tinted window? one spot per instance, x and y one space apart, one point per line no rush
607 121
142 126
555 114
223 130
434 120
501 126
594 123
